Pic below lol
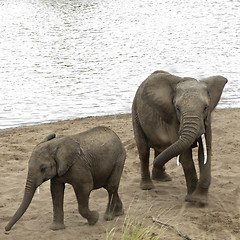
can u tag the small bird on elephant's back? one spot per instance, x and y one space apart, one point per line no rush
172 115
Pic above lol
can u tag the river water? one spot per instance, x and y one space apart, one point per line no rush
68 59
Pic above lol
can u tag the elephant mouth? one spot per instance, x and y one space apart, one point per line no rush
195 144
45 179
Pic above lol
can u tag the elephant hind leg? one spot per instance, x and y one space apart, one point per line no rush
115 206
82 193
160 174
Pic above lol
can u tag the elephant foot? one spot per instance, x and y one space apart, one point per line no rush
118 213
201 199
93 218
109 216
146 184
118 210
160 175
57 226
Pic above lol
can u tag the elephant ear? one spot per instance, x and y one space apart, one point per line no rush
49 137
158 92
67 153
215 85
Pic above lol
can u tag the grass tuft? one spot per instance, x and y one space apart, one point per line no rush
133 229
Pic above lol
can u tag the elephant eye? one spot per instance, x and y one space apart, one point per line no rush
205 108
178 108
43 168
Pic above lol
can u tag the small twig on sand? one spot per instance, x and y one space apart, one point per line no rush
173 228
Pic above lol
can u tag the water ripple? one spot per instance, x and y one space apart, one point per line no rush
65 59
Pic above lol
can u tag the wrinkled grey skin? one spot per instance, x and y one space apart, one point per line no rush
170 114
88 160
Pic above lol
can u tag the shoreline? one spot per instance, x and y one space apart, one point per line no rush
56 121
90 117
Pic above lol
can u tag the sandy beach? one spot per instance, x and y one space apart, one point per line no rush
220 219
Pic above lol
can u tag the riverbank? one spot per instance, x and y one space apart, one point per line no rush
218 220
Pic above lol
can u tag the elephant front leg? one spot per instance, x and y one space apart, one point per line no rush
57 192
189 172
146 182
144 152
200 195
82 193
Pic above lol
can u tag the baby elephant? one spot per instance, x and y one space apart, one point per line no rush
88 160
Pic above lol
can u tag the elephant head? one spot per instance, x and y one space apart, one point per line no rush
183 100
52 157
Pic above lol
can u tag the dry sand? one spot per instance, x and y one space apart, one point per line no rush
218 220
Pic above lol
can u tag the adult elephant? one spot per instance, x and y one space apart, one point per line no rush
88 160
170 114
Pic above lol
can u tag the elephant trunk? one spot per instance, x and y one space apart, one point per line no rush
28 195
190 132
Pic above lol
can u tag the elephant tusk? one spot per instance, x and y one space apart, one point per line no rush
178 157
178 162
38 190
204 148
